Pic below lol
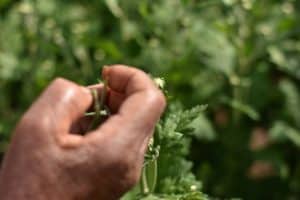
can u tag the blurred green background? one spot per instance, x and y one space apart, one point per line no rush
241 57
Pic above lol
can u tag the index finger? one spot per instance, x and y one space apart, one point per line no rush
142 106
126 80
141 93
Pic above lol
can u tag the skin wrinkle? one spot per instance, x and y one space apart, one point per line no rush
115 100
129 83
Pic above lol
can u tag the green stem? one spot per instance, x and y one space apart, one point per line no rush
103 94
154 172
144 182
97 105
102 113
149 177
236 113
97 108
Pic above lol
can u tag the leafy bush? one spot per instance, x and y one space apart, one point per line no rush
241 57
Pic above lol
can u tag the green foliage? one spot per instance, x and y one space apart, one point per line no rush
172 139
241 57
187 196
281 131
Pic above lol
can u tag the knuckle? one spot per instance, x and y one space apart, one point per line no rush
161 99
68 90
59 81
62 83
157 98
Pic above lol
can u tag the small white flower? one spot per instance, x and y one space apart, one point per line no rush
160 82
193 187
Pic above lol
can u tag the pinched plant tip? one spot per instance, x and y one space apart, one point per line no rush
160 82
163 138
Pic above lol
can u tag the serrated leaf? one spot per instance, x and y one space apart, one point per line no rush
202 128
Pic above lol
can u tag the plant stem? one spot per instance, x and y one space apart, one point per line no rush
100 109
103 94
144 182
97 108
154 174
102 113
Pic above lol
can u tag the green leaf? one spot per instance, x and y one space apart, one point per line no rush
202 128
8 65
281 131
292 99
114 7
244 108
219 48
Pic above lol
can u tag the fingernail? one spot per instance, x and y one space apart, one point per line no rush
105 72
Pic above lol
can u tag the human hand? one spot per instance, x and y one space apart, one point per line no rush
48 159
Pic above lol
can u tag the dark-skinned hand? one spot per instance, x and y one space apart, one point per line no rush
52 156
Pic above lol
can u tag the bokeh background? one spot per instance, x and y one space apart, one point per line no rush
241 57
